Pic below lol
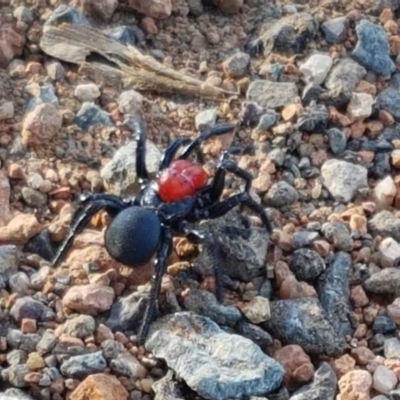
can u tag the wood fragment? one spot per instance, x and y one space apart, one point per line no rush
75 43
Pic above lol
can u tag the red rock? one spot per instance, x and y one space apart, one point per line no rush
362 355
343 365
297 365
11 44
103 9
358 296
149 26
20 229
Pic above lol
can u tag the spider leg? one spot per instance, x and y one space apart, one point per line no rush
217 130
171 151
79 220
220 209
206 239
159 270
226 165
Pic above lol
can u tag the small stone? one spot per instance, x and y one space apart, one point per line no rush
386 281
41 125
87 92
257 310
229 6
281 194
206 119
55 70
343 365
337 140
297 364
89 299
79 366
384 325
157 9
355 385
384 379
385 192
316 68
360 106
335 29
236 65
130 102
392 348
100 387
35 361
6 110
91 114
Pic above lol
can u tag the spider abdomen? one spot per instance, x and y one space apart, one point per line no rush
133 236
181 179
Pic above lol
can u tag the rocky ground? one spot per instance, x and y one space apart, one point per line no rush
315 91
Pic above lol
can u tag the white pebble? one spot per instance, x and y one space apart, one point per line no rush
360 106
87 92
6 110
317 67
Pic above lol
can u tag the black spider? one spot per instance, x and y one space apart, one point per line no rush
142 227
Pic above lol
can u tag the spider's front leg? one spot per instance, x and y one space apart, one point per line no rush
88 207
156 279
241 199
206 239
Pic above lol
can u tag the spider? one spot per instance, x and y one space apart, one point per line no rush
182 194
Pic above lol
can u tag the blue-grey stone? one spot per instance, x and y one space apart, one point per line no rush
90 114
345 75
205 303
66 14
389 100
126 35
384 325
302 321
27 307
281 194
335 30
337 140
322 387
334 293
385 224
215 364
78 367
306 264
372 49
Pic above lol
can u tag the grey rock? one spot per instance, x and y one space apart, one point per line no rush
389 100
302 321
267 120
306 264
345 74
119 174
33 198
78 367
386 281
314 118
217 365
281 194
205 303
127 365
391 348
335 29
254 333
167 388
24 14
90 115
343 179
15 375
289 34
385 224
130 102
206 119
334 293
16 394
277 156
269 94
338 234
337 140
19 283
372 49
303 238
80 326
236 65
322 387
9 259
112 349
55 70
242 247
27 307
126 313
47 342
15 357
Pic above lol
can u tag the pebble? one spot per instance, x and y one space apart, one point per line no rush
316 68
153 8
345 74
215 358
360 106
100 387
355 385
130 102
306 264
80 366
281 194
205 303
384 379
386 281
392 348
89 299
91 115
206 119
27 307
383 324
269 94
236 65
87 92
338 234
323 386
55 70
336 175
302 321
372 49
385 224
80 326
335 29
337 140
6 110
257 310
